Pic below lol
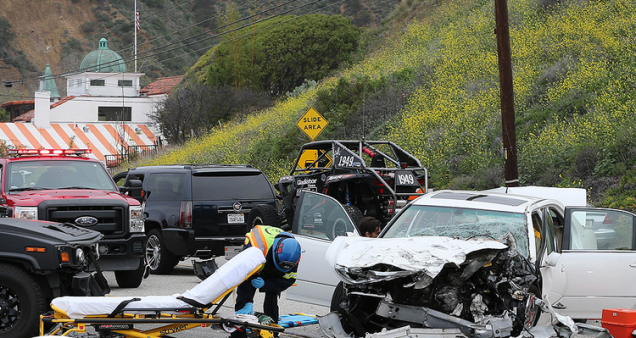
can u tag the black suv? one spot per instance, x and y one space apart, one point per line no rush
199 210
40 261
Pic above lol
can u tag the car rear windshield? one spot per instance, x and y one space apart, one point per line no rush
65 174
230 186
462 223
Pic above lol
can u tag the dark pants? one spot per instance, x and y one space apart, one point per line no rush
245 294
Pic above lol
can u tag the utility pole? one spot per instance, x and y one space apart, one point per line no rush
509 134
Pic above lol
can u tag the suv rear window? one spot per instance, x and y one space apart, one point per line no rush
165 187
235 186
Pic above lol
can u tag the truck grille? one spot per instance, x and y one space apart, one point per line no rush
109 218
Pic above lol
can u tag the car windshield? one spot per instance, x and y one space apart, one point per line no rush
462 223
65 174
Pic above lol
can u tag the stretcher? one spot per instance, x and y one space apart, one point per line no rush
197 307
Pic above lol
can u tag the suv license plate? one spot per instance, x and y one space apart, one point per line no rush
231 251
235 218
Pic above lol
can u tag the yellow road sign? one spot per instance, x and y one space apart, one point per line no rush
312 123
310 155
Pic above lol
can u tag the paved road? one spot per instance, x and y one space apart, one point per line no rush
183 278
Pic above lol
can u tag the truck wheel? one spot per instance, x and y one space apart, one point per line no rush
159 260
339 227
130 278
21 303
263 214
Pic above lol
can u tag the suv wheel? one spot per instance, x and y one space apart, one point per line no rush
159 259
263 214
130 278
21 303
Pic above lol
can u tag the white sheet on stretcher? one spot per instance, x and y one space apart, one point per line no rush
230 274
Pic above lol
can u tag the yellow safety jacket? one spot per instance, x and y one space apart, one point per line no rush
262 237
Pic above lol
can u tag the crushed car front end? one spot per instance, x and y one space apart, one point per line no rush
477 288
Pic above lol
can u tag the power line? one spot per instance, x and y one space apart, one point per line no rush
121 26
262 29
147 54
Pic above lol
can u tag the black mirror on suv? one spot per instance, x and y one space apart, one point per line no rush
134 189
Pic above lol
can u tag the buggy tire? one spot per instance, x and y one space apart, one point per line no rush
354 213
263 214
130 278
22 302
339 227
160 261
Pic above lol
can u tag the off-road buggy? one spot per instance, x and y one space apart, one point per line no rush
371 178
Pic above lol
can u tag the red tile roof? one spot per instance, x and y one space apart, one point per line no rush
17 103
62 100
28 116
163 85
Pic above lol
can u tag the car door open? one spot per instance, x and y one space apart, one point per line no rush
317 219
599 258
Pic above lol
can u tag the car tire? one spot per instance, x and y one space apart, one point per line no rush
130 278
160 261
522 323
339 226
337 296
22 297
263 214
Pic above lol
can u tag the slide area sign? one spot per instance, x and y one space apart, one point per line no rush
312 123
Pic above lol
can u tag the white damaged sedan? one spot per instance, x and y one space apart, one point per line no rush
467 263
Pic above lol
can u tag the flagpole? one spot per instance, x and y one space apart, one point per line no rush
136 25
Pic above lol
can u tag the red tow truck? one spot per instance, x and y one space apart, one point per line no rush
66 186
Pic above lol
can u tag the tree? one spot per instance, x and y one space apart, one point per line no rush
285 51
193 109
6 35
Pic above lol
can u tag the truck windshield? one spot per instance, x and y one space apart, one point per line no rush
462 223
64 174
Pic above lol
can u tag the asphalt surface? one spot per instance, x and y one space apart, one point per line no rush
183 278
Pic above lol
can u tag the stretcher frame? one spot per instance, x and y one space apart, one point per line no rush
186 318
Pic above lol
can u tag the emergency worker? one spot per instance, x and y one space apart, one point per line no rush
282 255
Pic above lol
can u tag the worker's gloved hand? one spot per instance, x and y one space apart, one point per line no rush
258 282
246 310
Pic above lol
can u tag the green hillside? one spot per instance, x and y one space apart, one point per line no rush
433 89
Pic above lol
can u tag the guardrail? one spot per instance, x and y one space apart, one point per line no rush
130 153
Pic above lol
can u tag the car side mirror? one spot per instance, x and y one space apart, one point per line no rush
134 188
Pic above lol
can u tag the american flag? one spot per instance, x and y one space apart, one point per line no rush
137 20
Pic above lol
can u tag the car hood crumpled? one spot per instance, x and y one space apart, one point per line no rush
406 256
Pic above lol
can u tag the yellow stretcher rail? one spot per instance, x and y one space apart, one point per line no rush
168 323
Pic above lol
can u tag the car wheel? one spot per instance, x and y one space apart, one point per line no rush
160 261
130 278
263 214
337 296
21 303
528 312
339 227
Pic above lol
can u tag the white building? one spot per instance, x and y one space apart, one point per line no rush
105 108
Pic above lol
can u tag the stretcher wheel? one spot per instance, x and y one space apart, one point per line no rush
228 327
